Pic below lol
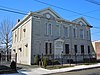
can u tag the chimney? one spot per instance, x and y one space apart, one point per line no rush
18 20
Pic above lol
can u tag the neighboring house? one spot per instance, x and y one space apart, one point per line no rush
96 46
45 32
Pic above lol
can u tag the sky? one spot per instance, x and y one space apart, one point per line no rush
79 6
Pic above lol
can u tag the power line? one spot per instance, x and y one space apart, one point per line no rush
12 8
94 2
8 10
13 11
86 12
66 9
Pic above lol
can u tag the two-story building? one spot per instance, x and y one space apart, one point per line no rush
45 32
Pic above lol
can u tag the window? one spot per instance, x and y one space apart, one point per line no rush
20 33
50 48
81 23
82 49
75 48
24 30
58 28
48 29
88 49
74 33
46 48
87 35
81 33
67 48
15 36
20 49
66 31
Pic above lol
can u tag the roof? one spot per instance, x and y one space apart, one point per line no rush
51 10
82 18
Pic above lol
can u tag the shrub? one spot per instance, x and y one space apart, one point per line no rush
45 62
13 65
56 62
36 60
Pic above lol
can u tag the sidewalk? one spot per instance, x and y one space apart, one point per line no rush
41 71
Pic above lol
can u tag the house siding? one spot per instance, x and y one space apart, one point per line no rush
36 37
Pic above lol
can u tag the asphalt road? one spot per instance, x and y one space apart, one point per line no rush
95 71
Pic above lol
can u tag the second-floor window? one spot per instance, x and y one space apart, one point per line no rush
81 34
88 37
66 31
74 32
48 29
58 28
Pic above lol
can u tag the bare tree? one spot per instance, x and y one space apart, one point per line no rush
5 34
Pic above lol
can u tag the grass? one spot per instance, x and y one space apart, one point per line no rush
58 66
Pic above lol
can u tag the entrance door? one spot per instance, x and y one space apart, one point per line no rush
58 48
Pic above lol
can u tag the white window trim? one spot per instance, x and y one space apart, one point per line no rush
82 33
75 32
47 29
51 29
59 30
67 30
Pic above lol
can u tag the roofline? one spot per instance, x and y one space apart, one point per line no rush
51 10
58 19
84 20
18 23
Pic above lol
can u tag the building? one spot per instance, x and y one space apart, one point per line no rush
96 46
45 32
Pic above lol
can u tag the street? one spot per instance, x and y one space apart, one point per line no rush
95 71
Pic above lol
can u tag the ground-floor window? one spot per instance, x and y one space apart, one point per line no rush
82 49
66 48
75 48
88 49
48 48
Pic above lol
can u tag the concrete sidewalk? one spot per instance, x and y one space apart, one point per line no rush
41 71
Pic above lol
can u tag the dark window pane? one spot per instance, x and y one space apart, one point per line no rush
46 48
50 48
82 48
75 47
88 49
67 48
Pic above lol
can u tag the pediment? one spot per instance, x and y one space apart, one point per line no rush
81 21
59 39
49 13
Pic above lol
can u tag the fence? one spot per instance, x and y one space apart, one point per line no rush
68 59
5 59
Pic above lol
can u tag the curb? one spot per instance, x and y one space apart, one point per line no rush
83 69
